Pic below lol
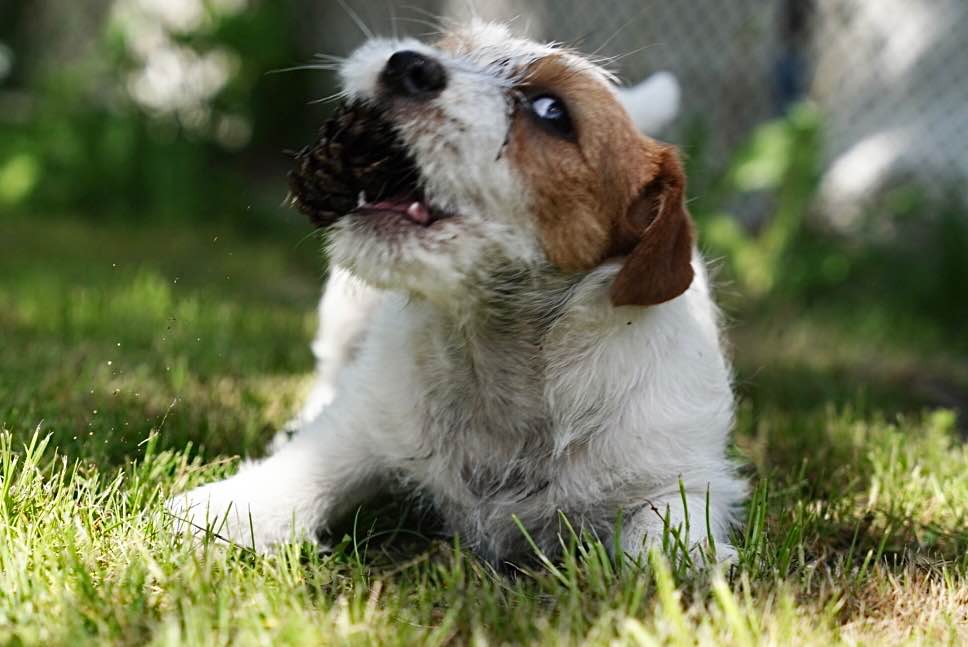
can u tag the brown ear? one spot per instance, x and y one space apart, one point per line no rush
656 233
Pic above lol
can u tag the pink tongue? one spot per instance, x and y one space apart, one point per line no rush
415 210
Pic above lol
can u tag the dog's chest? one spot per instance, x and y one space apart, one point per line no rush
483 409
487 446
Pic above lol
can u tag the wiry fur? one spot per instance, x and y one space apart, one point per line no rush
484 377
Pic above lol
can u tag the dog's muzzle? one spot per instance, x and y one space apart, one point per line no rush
359 163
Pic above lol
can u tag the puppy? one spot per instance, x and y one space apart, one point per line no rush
531 334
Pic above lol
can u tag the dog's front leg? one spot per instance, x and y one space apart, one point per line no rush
344 311
322 473
682 521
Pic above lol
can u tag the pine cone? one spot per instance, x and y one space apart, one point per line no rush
358 150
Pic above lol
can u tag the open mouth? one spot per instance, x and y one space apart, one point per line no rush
359 165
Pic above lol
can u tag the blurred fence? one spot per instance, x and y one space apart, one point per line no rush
890 77
86 87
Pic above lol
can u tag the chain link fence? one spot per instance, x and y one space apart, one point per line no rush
890 77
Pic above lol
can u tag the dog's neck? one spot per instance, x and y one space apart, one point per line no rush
512 310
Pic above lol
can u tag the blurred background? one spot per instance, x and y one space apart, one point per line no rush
148 264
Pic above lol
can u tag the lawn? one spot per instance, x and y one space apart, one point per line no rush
136 362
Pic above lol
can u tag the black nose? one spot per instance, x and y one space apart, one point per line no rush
415 75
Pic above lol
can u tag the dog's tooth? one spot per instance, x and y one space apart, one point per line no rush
418 213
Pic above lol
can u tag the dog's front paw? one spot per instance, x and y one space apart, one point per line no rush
724 556
232 511
698 557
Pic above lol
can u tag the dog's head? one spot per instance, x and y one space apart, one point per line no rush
455 161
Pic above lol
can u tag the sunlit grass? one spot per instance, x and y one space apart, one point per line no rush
113 376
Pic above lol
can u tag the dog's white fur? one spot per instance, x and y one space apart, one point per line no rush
459 364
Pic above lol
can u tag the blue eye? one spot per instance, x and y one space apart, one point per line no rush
552 113
548 107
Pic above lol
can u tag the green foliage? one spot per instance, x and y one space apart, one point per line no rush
782 157
18 177
86 144
883 282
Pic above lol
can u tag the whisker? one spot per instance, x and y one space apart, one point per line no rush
315 233
433 27
392 17
308 66
440 23
355 17
620 29
578 42
611 60
332 97
329 58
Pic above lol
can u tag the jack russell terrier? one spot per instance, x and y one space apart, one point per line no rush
518 326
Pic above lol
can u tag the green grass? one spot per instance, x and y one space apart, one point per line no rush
135 363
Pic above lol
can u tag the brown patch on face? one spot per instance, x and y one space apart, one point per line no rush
610 192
